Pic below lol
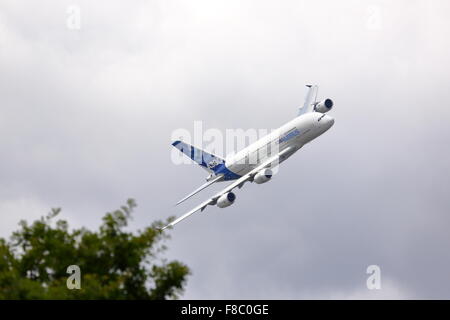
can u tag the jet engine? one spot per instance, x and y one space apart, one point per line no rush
324 106
263 176
226 200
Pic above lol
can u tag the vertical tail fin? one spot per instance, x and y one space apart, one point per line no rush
205 159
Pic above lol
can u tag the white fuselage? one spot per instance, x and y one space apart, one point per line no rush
293 135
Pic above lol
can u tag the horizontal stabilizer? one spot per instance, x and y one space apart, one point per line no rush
308 104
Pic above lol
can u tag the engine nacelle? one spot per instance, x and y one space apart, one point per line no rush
324 106
226 200
263 176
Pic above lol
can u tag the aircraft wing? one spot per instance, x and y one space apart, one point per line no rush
207 184
308 104
238 183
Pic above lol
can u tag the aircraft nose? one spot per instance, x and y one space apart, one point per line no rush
328 121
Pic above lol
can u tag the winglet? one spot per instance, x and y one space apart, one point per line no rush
230 187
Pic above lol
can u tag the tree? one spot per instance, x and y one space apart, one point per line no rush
114 263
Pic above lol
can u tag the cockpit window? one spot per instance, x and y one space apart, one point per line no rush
321 117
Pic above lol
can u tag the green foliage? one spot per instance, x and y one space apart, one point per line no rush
114 263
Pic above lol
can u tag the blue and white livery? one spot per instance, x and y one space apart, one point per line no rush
254 162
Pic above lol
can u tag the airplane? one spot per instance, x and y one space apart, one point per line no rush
311 122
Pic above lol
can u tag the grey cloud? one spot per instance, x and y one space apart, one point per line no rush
86 118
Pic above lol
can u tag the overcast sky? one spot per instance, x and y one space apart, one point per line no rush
86 118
